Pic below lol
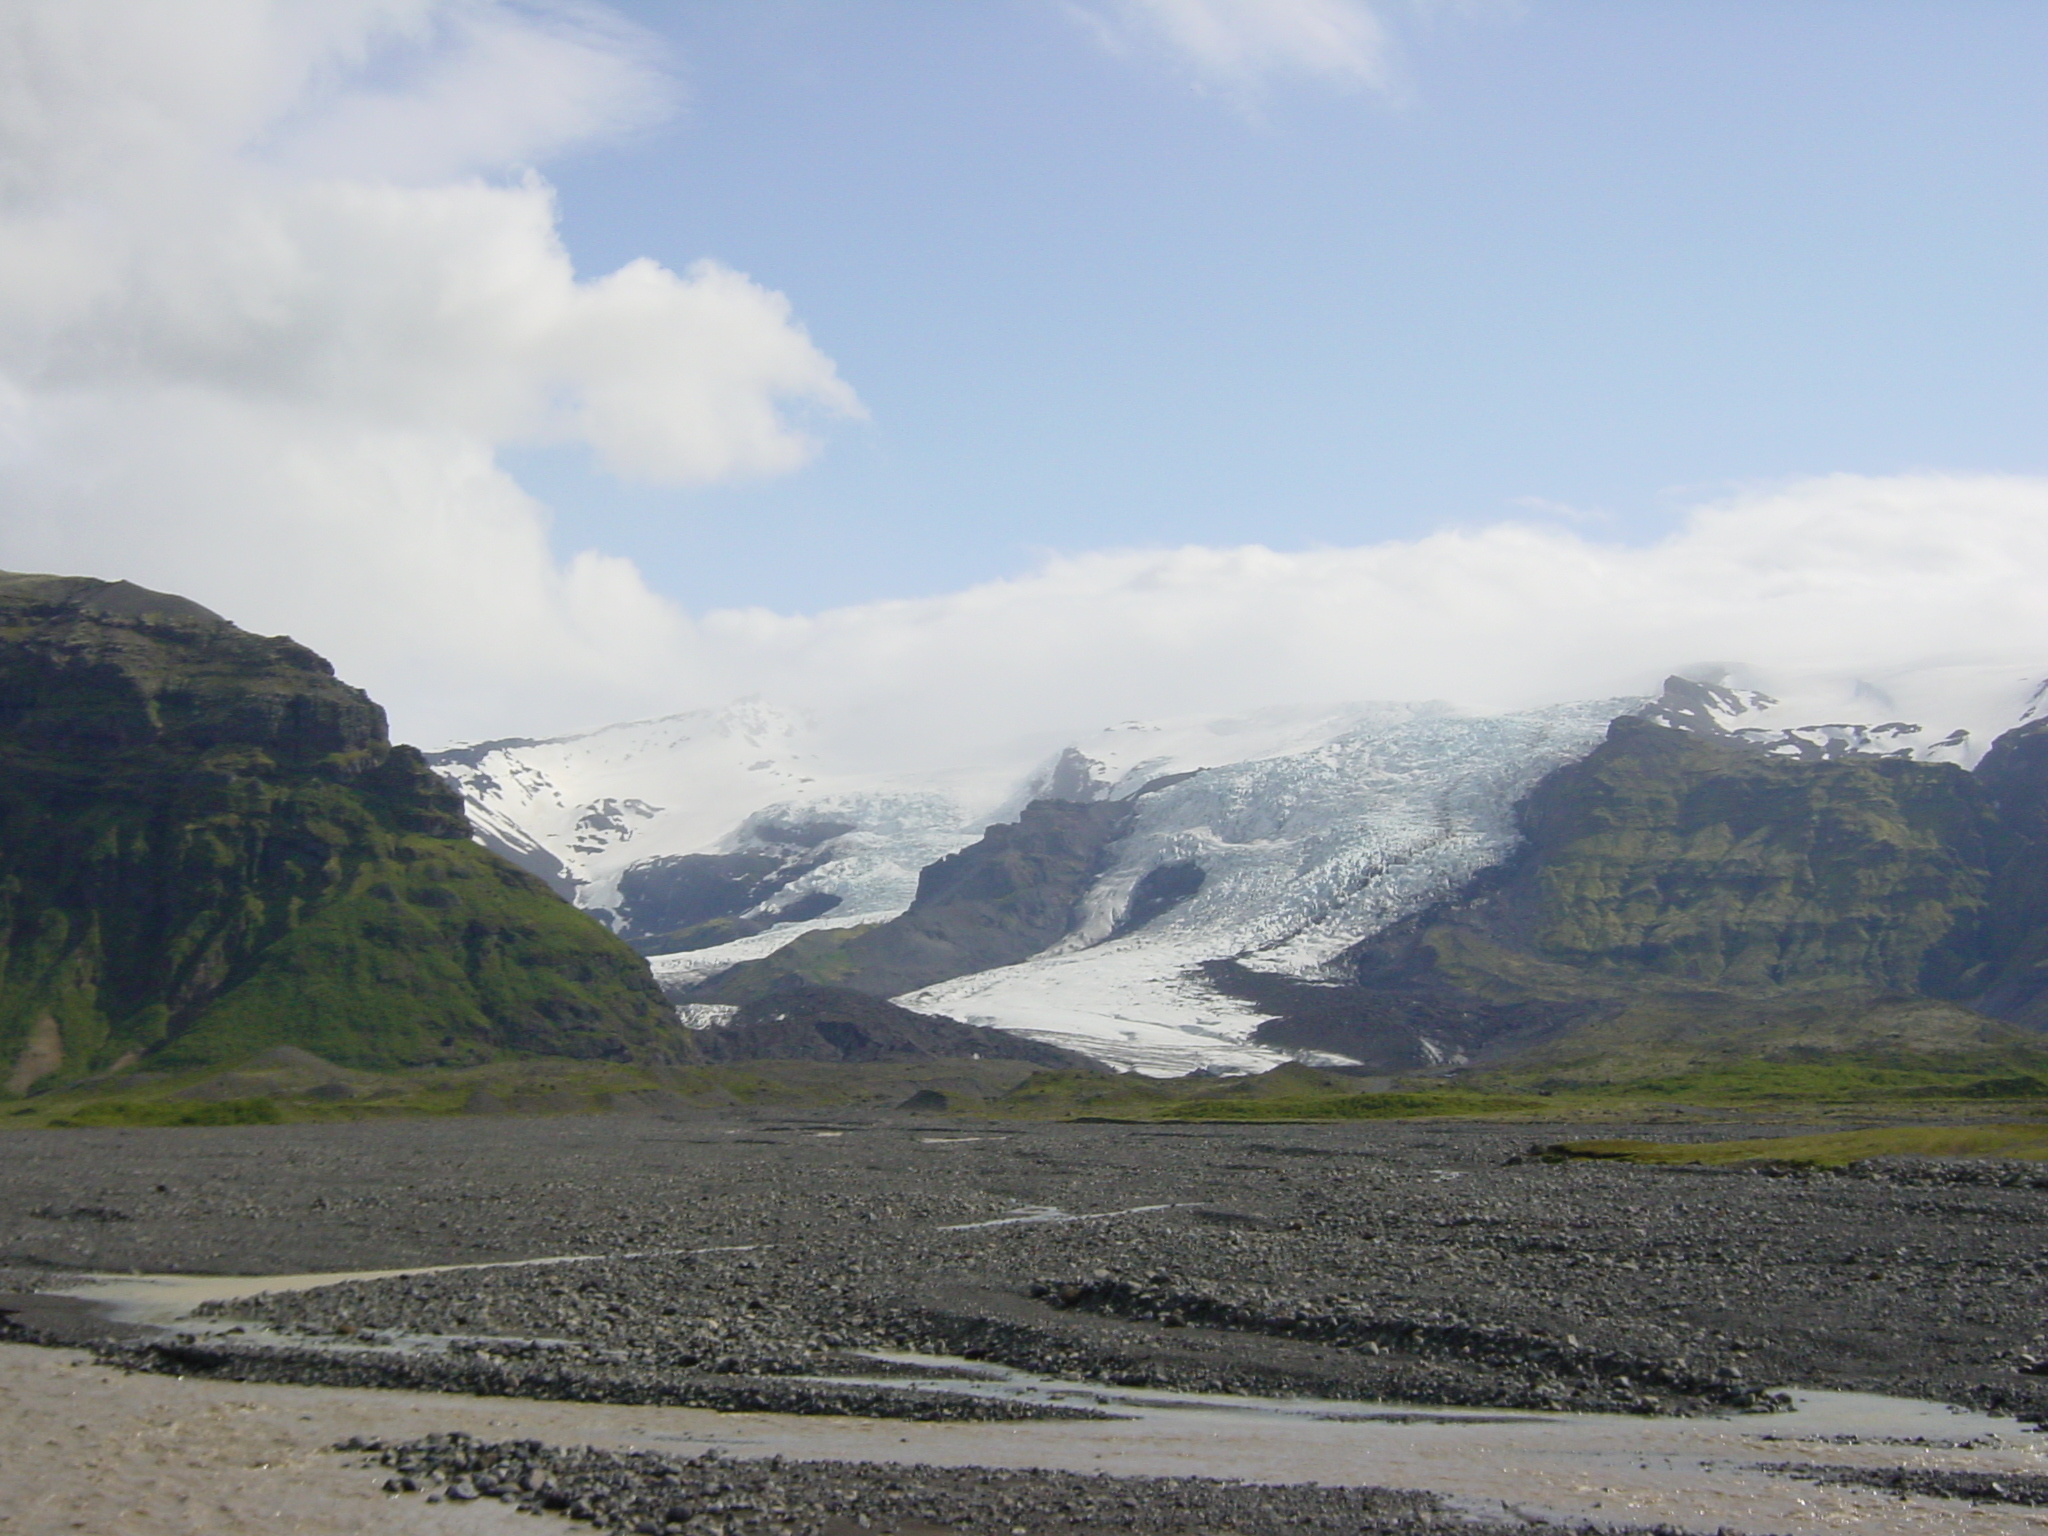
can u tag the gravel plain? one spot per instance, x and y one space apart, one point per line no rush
1432 1263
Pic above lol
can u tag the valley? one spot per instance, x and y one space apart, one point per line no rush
750 1263
1399 1071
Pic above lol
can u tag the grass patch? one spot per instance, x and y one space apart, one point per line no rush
1787 1073
1822 1082
296 1087
1832 1149
1353 1106
159 1112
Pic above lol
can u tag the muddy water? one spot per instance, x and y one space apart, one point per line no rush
162 1300
1700 1474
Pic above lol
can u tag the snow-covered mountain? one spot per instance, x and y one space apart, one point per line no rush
585 811
1943 714
1278 838
1300 856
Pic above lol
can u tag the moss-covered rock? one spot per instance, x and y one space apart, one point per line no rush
208 845
1687 858
2006 967
1676 886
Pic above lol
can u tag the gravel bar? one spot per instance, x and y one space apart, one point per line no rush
1431 1263
652 1495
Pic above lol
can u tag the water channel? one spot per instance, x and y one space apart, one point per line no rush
1703 1474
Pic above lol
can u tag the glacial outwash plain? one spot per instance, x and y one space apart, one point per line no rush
1630 1115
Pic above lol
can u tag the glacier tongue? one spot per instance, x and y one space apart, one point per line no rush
1302 855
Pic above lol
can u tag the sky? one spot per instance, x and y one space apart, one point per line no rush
965 373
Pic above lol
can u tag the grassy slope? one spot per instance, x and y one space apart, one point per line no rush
1835 1149
196 924
1678 857
208 845
290 1086
436 952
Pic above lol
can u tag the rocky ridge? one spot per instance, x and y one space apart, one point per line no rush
1679 881
795 1020
210 846
1004 898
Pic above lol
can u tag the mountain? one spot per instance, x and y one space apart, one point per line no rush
209 846
1000 900
2004 966
705 828
1679 880
1219 910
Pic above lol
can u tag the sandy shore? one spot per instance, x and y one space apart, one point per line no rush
99 1450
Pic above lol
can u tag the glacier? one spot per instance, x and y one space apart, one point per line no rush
1312 827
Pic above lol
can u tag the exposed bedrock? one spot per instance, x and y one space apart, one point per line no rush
1000 900
1677 881
796 1020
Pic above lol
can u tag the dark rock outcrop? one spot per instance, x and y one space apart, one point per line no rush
800 1021
1680 879
1158 891
2006 967
695 900
1000 900
209 846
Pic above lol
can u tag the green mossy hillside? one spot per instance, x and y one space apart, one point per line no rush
208 845
1670 855
1676 891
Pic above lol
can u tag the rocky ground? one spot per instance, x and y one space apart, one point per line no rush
638 1492
1978 1487
1428 1262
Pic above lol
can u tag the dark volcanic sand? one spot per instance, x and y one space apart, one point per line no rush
1361 1261
697 1496
1418 1262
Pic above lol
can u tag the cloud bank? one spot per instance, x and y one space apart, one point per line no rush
1924 591
266 321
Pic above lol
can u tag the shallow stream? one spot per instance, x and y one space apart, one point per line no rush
1700 1474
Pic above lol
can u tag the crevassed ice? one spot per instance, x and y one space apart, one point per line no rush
1303 854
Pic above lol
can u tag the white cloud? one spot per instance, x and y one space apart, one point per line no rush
1880 579
1240 45
263 329
475 83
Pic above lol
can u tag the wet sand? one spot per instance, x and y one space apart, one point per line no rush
100 1450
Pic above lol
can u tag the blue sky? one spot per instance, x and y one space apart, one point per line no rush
969 375
1594 261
